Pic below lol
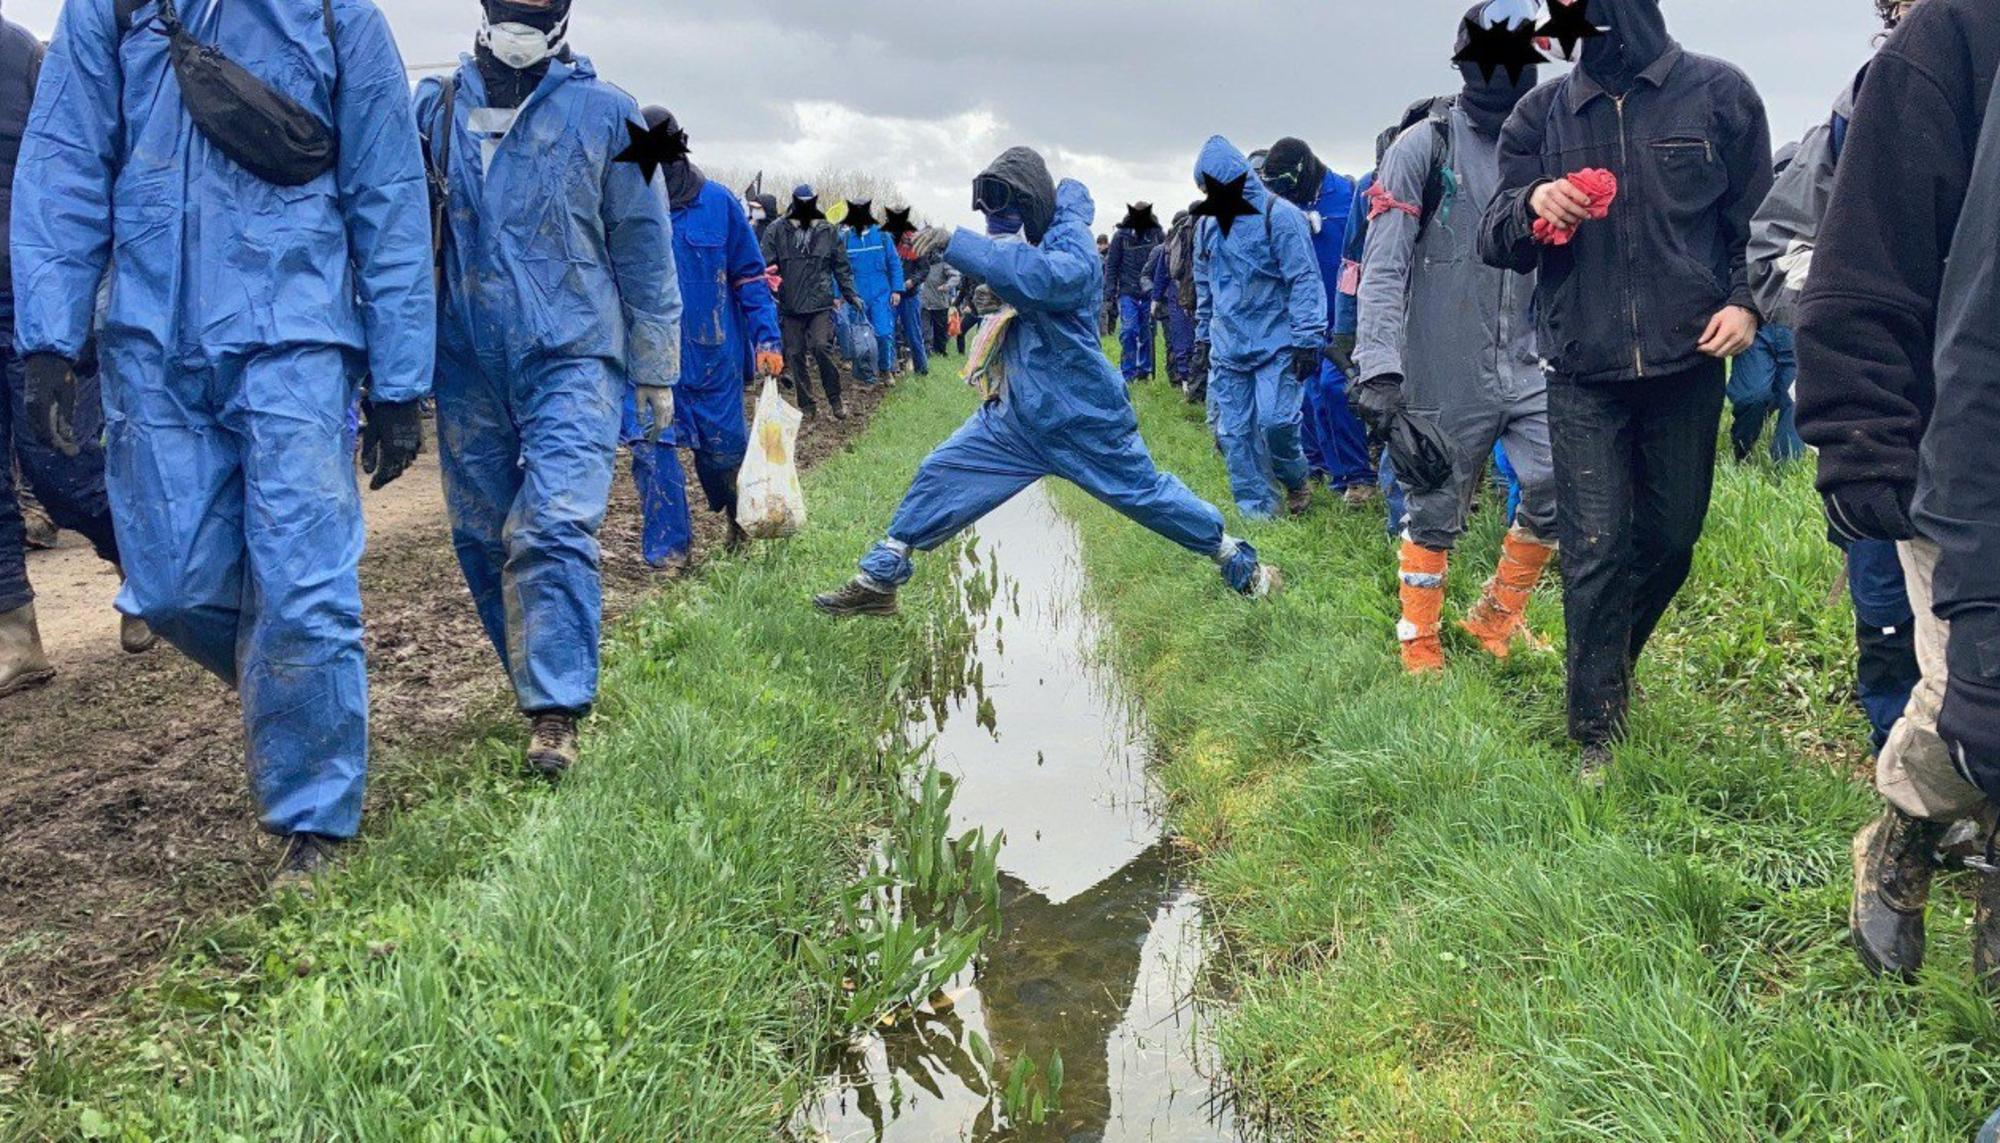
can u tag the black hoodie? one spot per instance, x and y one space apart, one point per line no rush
1027 175
1132 246
1635 35
20 61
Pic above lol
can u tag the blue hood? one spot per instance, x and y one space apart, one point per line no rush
1221 161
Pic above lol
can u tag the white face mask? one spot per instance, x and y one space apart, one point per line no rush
520 46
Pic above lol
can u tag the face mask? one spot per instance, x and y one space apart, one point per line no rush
1004 224
520 46
755 210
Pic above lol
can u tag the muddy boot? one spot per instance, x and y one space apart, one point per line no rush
860 596
1500 619
23 666
552 744
41 534
1593 766
1299 501
673 567
840 408
307 857
1895 857
1266 583
738 539
1360 495
1423 574
135 636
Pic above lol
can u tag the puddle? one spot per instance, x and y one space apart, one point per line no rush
1102 944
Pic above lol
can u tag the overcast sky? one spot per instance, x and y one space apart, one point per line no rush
1118 94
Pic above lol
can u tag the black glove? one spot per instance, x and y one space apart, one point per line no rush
1111 315
50 389
1871 510
1970 720
1340 347
1307 360
1201 359
1377 402
392 434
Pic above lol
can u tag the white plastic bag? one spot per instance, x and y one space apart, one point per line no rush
770 504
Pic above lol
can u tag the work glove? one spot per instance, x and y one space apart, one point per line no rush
931 240
1871 510
1201 351
1340 347
1377 402
392 433
50 385
657 402
1970 720
770 361
1307 360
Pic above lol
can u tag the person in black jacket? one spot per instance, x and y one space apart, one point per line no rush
1132 246
1868 333
811 259
1636 318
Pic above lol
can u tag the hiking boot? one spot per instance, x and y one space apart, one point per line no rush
1299 501
1423 571
738 539
23 666
307 856
839 408
1895 858
1266 582
1593 765
857 597
135 636
1360 495
673 567
552 745
1500 619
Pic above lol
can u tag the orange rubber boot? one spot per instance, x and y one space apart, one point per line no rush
1423 608
1500 619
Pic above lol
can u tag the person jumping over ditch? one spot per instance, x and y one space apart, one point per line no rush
1054 406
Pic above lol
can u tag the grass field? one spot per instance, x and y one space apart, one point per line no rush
1435 934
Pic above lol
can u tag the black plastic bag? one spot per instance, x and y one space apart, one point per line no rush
261 129
1420 453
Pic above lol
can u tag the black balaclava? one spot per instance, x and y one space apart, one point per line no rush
1026 175
860 217
1635 35
1488 102
684 179
1140 219
505 86
1294 172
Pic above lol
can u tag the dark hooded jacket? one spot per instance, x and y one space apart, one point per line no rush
810 260
1034 188
20 66
1131 249
1687 137
1869 316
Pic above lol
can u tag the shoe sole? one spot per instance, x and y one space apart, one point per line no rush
856 612
29 682
1862 843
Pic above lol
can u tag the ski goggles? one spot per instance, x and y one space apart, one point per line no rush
991 195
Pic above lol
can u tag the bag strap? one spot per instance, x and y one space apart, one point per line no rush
128 10
437 150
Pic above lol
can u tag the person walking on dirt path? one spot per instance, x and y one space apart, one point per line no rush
541 328
1638 314
878 281
729 328
939 295
910 328
1162 293
1260 328
1869 337
1454 337
1335 443
1054 404
1132 246
814 276
239 320
70 488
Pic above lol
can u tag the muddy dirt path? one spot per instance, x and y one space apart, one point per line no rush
124 815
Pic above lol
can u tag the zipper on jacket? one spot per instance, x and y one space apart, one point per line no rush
1632 294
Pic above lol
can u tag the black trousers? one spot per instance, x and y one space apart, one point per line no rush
1635 471
940 327
809 337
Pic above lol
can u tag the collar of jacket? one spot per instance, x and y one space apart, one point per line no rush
1583 89
562 69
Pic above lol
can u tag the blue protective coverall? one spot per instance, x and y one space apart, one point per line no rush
559 288
878 275
1065 412
728 312
1336 444
1258 296
1162 290
240 317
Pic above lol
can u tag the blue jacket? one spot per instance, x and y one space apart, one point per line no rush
1258 291
555 253
1632 294
878 268
213 261
1343 289
728 309
1335 205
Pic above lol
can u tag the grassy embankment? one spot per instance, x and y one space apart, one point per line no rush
1437 935
617 959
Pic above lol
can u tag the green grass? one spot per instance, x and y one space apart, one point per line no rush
1435 934
617 959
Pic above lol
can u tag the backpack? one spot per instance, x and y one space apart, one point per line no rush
1440 186
1180 262
437 171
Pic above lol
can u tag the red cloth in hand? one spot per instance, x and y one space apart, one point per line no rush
1602 188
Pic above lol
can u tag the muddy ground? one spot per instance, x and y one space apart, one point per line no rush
124 815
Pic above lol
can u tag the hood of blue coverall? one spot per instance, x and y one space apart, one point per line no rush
1263 294
1060 387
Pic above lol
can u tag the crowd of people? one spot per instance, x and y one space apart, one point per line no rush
227 277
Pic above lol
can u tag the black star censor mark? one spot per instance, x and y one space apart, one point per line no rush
653 148
896 223
1489 49
1224 202
860 215
805 211
1139 218
1569 25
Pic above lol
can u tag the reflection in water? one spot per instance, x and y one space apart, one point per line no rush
1102 942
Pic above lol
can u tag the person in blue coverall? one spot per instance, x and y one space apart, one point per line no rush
729 331
1056 406
911 270
559 290
1164 293
878 277
1260 325
1132 246
240 317
1336 444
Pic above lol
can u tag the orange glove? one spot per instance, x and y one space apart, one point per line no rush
770 363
